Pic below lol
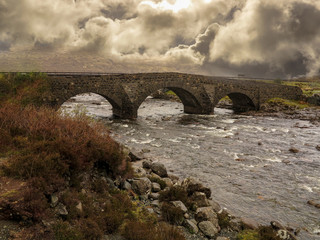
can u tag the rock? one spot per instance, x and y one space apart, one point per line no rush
285 235
223 238
191 225
193 186
150 210
174 178
61 210
135 156
216 206
318 147
235 224
294 150
180 205
276 225
126 186
153 175
156 187
154 196
144 197
159 169
240 160
109 182
168 182
79 207
200 199
208 229
147 164
140 171
141 186
286 161
207 214
155 203
248 223
314 203
186 216
54 200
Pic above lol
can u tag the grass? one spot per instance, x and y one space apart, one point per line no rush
23 88
309 88
290 103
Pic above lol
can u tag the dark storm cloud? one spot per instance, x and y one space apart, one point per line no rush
255 37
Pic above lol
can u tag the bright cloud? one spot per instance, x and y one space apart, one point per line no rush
256 37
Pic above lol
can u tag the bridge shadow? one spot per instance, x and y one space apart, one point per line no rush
234 103
91 104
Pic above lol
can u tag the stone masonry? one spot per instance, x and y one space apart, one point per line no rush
199 94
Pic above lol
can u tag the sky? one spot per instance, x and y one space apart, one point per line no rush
258 38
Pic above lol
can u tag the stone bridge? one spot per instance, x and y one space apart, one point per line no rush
199 94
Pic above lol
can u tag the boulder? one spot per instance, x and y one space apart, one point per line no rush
216 206
180 205
140 171
168 182
154 196
248 223
193 186
126 186
318 147
200 199
191 225
159 169
208 229
61 210
54 200
314 203
207 214
294 150
147 164
141 186
156 187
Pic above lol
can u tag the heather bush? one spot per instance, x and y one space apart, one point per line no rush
23 88
135 230
47 146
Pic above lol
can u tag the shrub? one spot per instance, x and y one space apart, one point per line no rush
134 230
172 214
248 235
24 88
64 231
176 193
224 219
45 145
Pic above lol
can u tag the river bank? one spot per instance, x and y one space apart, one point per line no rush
270 182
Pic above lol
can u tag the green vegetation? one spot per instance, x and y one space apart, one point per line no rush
262 233
23 88
289 103
309 88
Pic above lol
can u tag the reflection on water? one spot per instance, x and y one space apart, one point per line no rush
245 160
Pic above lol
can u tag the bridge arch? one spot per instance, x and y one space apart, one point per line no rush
241 101
116 105
194 101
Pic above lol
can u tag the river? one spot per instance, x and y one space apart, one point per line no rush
245 160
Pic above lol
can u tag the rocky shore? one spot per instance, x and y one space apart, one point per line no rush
189 205
282 110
